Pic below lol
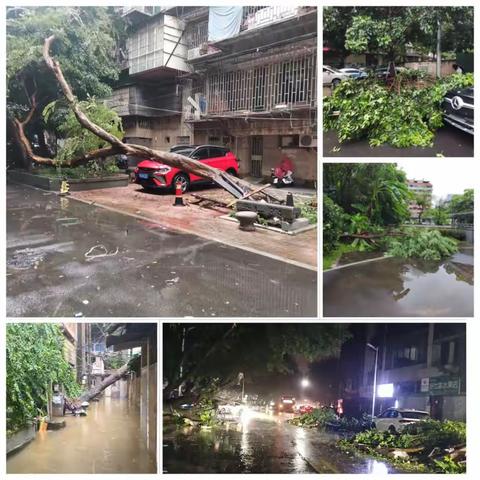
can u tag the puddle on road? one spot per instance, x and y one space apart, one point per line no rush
398 287
107 440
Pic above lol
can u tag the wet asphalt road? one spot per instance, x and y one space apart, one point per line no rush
449 142
262 444
150 271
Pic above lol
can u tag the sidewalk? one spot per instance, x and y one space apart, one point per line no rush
158 208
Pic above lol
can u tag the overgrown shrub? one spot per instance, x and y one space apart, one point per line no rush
309 211
76 139
424 244
94 168
448 465
35 360
370 109
453 233
333 223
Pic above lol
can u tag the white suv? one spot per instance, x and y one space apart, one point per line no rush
394 420
332 76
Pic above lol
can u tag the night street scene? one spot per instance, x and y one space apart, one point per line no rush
162 161
398 240
398 81
81 398
314 398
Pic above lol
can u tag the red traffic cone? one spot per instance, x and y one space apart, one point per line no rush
178 195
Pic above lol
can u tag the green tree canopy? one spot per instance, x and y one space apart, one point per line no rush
87 48
461 206
390 30
35 360
221 351
377 190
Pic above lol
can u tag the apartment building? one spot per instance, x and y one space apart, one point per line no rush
420 366
419 188
242 77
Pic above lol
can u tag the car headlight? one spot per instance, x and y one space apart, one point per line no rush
162 170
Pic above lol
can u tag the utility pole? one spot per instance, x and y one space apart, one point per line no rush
439 47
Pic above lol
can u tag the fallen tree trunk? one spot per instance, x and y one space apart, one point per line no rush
95 391
235 186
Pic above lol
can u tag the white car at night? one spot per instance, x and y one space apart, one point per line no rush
394 420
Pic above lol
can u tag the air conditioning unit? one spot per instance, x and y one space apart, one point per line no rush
307 141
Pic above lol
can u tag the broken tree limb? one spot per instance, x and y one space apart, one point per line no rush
235 186
95 391
253 192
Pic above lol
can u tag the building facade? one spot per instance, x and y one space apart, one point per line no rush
420 366
419 188
242 77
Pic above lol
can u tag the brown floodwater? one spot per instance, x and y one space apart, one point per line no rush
107 440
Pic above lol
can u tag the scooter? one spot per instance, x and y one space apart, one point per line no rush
282 175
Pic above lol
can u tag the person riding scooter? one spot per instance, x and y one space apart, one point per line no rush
282 175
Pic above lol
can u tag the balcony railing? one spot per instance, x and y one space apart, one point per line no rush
256 17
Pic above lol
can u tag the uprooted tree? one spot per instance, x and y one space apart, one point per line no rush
110 380
233 185
206 361
110 141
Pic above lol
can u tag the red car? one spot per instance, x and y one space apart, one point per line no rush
302 409
152 175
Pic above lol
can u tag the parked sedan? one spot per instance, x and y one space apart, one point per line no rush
332 76
354 73
458 106
394 420
151 174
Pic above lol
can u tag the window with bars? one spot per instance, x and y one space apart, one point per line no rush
264 88
196 34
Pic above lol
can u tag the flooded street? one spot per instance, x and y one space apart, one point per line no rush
107 440
260 444
66 258
395 287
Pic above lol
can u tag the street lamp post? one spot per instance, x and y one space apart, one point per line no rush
305 382
375 349
241 378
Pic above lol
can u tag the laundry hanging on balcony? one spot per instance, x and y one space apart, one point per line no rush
224 22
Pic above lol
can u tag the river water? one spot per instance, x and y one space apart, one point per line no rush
107 440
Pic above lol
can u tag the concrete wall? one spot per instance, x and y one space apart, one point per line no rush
163 134
431 67
304 159
148 405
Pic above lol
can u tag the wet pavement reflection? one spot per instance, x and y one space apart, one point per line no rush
394 287
261 443
107 440
66 258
